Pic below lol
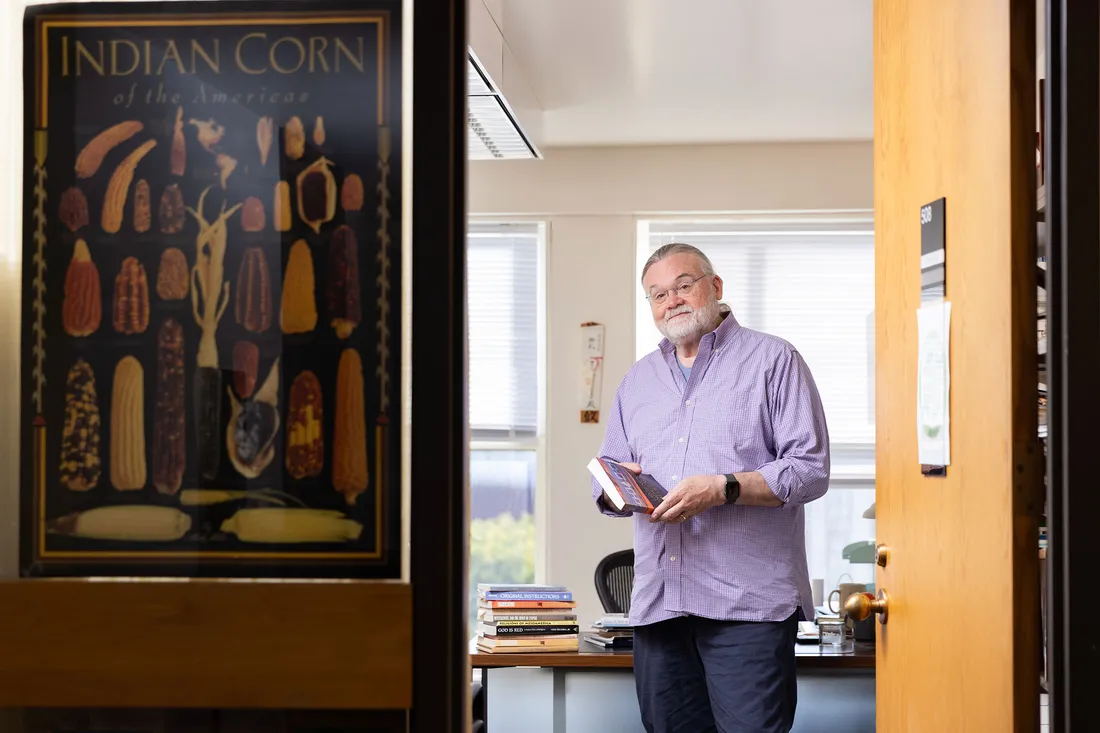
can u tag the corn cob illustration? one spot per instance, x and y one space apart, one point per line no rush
344 304
169 428
179 146
172 276
305 442
143 207
80 464
317 194
131 301
351 193
127 523
349 452
73 210
294 138
128 426
291 525
281 214
82 308
91 155
265 135
298 313
253 310
119 187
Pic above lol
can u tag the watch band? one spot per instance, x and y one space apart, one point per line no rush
733 488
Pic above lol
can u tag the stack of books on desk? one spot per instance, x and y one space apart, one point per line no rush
612 631
525 618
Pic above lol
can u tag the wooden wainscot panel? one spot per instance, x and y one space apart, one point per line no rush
206 643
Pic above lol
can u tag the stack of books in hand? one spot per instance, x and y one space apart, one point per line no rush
525 618
612 631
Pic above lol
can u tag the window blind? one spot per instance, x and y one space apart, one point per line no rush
502 321
811 283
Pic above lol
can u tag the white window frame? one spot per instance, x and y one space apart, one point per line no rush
853 464
536 442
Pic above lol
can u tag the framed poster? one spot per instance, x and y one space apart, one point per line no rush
212 301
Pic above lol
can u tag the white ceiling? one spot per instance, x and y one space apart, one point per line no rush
621 72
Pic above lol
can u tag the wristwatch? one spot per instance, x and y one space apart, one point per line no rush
733 488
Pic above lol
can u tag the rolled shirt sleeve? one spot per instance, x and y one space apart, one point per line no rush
800 472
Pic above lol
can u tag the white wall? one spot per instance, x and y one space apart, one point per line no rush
591 198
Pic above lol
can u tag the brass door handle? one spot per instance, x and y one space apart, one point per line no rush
882 555
859 606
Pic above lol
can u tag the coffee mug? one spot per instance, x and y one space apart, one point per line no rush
843 592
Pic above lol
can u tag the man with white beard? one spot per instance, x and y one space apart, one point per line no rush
731 420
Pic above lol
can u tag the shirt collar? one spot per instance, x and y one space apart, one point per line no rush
714 339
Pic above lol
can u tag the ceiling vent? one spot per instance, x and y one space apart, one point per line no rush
493 132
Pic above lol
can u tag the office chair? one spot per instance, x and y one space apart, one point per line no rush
615 581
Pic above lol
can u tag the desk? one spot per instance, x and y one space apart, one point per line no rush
592 689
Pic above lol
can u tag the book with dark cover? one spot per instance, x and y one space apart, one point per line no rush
504 630
624 489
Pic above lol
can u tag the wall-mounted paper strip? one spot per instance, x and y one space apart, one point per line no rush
933 387
591 371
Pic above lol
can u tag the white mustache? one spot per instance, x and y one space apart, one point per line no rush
684 308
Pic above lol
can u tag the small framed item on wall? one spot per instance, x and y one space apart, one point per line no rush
591 371
212 292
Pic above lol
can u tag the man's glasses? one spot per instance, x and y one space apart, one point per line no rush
684 288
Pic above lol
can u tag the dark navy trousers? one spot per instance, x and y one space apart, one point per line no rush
695 675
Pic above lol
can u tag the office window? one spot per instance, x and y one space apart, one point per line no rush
811 282
504 301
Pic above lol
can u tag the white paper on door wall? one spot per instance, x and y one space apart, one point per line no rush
591 371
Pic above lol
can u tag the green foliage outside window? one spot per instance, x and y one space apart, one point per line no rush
502 550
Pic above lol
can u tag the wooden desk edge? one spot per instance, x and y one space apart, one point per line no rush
863 658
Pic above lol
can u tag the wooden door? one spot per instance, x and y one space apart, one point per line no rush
955 118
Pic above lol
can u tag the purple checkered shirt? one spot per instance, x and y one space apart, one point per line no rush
750 405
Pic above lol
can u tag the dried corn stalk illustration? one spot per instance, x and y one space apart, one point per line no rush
209 299
38 371
383 268
383 371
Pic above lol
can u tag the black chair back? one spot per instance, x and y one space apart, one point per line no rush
615 581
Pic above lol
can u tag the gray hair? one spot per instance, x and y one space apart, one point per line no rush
676 248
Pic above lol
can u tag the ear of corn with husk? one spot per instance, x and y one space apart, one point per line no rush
292 525
132 523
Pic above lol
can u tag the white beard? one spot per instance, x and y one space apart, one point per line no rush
692 327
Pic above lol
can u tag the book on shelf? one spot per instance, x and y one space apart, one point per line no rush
565 643
493 615
611 639
525 595
613 621
523 629
625 490
484 603
519 588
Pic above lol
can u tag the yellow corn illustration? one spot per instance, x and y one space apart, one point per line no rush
292 525
132 523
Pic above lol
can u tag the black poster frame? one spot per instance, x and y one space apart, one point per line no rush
379 554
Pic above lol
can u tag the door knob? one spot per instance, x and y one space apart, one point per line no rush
859 606
882 555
